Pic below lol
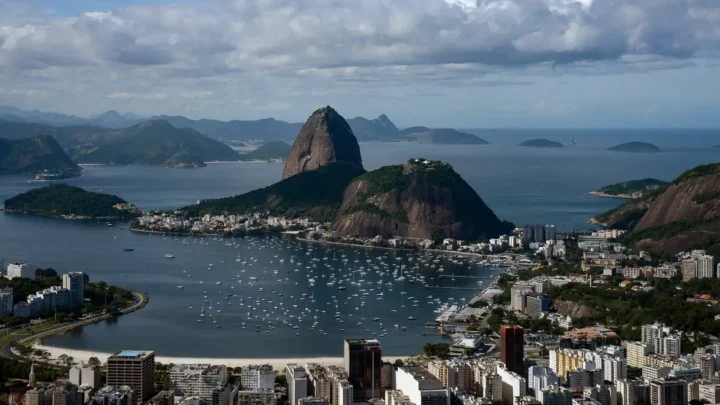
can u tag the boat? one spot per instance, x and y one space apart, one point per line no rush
180 287
169 256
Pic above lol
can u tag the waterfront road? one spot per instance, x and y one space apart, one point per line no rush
6 348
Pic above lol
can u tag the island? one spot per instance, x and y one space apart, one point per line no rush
542 143
270 151
630 189
635 147
34 155
446 136
70 202
156 142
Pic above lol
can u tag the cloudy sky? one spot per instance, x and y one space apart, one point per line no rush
460 63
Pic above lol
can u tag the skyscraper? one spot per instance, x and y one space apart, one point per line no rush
6 301
75 283
512 350
363 363
135 369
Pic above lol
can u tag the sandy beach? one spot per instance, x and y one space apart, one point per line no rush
277 363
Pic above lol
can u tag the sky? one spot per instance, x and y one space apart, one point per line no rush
438 63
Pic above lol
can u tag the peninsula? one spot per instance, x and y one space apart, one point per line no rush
630 189
542 143
33 155
70 202
270 151
635 147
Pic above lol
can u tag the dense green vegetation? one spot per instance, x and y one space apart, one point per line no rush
157 142
21 370
627 310
268 151
667 231
638 147
633 186
62 199
699 171
33 155
542 143
316 193
439 350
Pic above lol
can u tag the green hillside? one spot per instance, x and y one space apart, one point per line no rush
58 200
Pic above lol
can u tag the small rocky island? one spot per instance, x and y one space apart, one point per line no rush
542 143
635 147
630 189
70 202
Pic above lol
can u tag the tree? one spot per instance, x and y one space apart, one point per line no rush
94 362
398 362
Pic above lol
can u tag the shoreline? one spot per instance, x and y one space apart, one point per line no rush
70 218
618 196
277 363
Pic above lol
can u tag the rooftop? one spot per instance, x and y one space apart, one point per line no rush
132 354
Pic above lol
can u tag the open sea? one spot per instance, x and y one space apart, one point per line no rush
297 317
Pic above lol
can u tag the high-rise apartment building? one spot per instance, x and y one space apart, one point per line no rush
512 348
257 377
421 387
197 380
554 395
297 383
75 283
135 369
668 392
6 301
363 363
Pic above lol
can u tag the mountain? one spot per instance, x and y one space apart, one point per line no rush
42 117
324 138
630 189
112 119
32 155
268 151
156 142
635 147
440 136
263 129
683 215
316 194
379 129
67 136
420 199
60 200
542 143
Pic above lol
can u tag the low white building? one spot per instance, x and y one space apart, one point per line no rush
20 270
421 387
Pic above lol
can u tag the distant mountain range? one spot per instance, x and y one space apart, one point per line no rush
380 129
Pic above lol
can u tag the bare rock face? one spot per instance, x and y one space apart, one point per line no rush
421 199
325 138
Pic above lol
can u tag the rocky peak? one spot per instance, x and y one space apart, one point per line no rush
325 138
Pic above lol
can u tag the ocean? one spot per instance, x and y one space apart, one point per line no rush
522 185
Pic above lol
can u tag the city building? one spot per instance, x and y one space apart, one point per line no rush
513 384
421 387
6 301
363 363
257 377
225 394
39 395
313 401
388 379
636 352
135 369
603 393
518 294
554 395
668 392
655 371
297 383
197 380
20 270
263 397
512 348
110 395
81 374
541 377
536 305
75 283
578 380
631 392
452 373
163 398
344 392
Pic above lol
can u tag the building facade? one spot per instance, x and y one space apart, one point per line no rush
363 363
135 369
